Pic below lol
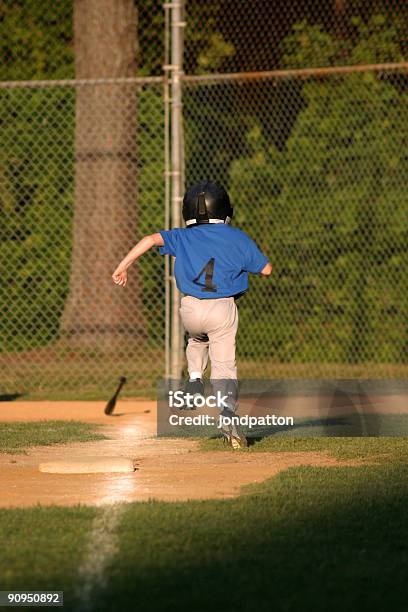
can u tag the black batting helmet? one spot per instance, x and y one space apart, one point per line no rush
206 202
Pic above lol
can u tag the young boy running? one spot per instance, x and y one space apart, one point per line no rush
212 264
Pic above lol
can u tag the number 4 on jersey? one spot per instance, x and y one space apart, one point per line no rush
209 272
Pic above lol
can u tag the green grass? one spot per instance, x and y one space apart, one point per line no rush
41 547
331 436
17 437
309 539
393 450
64 372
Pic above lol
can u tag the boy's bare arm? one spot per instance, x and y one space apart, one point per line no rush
120 274
267 270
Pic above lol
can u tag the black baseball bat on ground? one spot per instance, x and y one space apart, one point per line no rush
112 402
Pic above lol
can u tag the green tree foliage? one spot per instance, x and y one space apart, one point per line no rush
331 212
329 155
36 203
36 206
37 169
36 39
37 163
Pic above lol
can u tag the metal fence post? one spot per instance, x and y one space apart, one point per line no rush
177 171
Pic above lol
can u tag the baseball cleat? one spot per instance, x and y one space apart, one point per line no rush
236 441
233 437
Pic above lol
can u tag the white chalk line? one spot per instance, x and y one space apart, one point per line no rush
101 547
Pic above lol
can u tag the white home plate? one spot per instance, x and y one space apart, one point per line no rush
88 465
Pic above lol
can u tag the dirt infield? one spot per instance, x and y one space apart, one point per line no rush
166 469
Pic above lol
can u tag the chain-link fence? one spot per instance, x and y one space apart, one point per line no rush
255 35
315 168
82 179
314 160
37 39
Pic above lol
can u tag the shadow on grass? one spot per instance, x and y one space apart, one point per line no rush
350 426
347 426
10 397
344 415
310 539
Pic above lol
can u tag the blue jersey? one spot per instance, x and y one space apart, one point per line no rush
212 260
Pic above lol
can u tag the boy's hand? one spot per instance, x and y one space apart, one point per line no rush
120 276
267 270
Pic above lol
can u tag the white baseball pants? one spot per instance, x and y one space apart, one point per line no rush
212 326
